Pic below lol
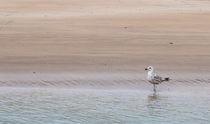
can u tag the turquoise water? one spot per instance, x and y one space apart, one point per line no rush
51 105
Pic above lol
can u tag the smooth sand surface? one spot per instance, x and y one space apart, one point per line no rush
104 36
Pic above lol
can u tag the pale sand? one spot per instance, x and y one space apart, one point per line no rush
104 36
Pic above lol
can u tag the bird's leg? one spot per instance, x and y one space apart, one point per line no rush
154 88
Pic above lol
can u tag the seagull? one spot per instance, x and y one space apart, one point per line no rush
154 78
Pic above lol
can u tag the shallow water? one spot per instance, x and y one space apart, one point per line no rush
50 105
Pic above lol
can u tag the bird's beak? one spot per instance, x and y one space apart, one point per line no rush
146 69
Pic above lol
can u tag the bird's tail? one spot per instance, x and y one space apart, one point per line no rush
166 79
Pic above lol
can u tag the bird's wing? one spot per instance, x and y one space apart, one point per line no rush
157 78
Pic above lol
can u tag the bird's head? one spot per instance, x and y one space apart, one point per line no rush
149 68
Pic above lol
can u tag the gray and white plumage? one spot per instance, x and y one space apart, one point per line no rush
154 78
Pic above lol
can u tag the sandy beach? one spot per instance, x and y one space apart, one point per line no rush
92 36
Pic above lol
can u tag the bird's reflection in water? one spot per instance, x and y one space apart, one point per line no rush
156 104
153 97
